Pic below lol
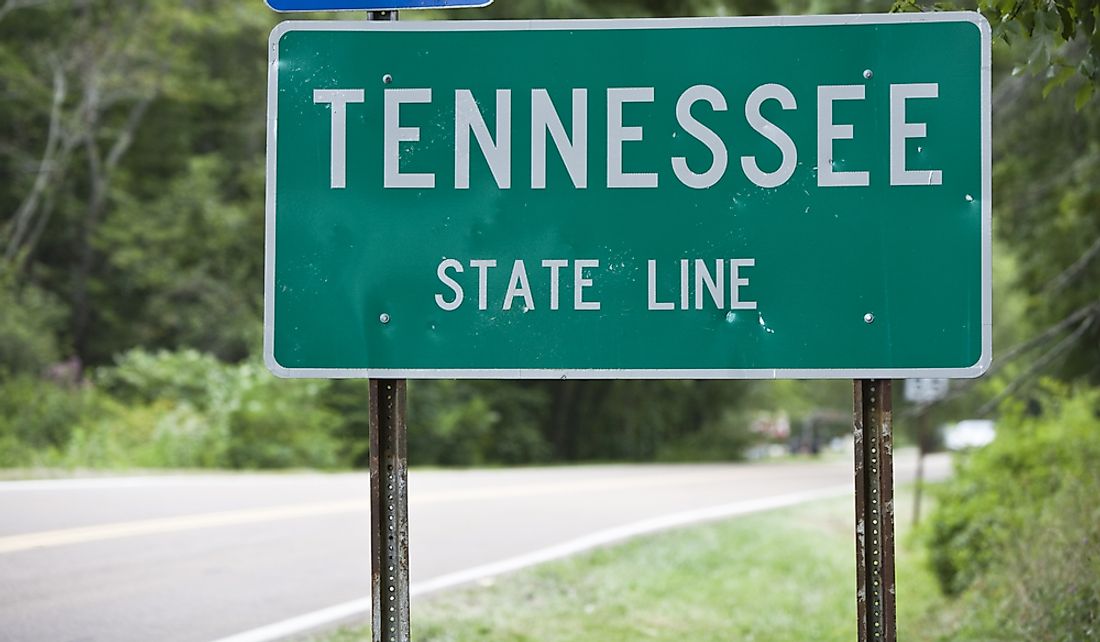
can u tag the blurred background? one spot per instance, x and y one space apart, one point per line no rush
132 138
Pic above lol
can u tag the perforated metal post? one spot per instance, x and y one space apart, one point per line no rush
874 468
389 512
389 494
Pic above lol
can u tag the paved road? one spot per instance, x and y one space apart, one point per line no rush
199 558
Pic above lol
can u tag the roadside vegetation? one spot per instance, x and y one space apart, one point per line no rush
784 576
1011 553
1015 540
187 409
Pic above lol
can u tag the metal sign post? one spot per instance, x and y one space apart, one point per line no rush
874 467
389 511
389 497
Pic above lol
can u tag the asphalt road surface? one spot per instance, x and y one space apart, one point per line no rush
204 557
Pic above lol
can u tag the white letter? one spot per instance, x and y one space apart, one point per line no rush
468 119
901 130
574 154
518 285
555 268
654 304
715 284
768 130
395 134
685 279
483 281
449 264
339 99
617 135
736 282
827 132
704 134
580 283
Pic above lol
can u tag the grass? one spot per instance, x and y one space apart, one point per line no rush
783 576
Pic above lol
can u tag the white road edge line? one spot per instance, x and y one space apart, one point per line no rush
333 614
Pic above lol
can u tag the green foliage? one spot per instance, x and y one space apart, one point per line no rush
277 424
236 416
116 436
176 410
1002 490
723 438
466 423
1047 198
29 322
37 419
141 377
1044 585
1055 39
1061 38
188 409
449 425
133 139
348 399
631 420
520 436
801 399
184 255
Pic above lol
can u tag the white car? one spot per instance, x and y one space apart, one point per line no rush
970 433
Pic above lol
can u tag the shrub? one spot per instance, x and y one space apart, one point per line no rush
516 437
204 413
113 436
1004 489
37 418
185 437
187 375
1044 583
1049 583
29 318
449 424
277 423
724 438
349 399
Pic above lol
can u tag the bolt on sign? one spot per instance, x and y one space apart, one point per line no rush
800 197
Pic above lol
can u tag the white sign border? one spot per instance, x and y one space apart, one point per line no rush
973 371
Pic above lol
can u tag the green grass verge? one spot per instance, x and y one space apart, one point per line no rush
787 575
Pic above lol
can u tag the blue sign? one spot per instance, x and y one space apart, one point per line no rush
372 5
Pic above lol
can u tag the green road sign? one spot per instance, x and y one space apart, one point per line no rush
705 198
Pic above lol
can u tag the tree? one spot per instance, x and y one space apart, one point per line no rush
1056 39
136 153
1047 199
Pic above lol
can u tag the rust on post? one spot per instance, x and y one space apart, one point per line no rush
389 512
874 477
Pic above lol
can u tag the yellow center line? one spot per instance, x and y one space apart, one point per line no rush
160 526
